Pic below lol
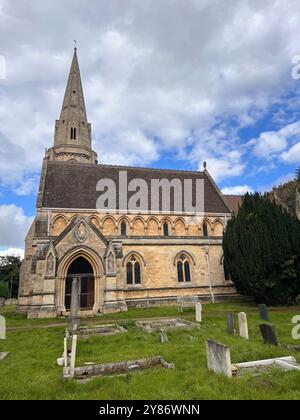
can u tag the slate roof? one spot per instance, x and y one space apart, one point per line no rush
234 202
73 185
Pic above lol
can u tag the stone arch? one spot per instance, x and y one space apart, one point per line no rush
138 226
184 264
95 221
218 227
130 254
108 226
153 226
189 255
97 265
59 224
209 225
128 222
170 226
180 227
193 227
73 218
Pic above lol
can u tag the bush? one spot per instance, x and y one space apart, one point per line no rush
4 290
262 252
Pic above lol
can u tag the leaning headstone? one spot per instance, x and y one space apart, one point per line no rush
218 358
243 325
163 337
231 323
269 334
263 312
73 355
198 312
75 305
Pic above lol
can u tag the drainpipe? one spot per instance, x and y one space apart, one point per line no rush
209 274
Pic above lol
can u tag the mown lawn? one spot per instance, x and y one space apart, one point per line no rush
30 371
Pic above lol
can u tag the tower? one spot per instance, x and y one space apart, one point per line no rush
73 137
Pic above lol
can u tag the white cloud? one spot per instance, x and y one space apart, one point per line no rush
271 143
12 252
238 190
14 226
292 155
158 77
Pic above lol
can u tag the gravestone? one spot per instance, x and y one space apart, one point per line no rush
218 358
73 355
65 352
263 312
269 334
163 337
3 356
198 312
75 305
243 325
231 323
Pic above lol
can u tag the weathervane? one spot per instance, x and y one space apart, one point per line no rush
75 43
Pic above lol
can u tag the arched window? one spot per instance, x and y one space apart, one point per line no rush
123 229
133 271
73 133
184 270
166 229
205 230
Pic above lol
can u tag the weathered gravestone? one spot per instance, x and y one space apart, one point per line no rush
269 334
263 312
198 312
3 356
231 323
218 358
75 305
163 337
243 325
2 328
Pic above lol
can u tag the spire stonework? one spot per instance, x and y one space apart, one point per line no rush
73 138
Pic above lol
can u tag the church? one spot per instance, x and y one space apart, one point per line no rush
121 258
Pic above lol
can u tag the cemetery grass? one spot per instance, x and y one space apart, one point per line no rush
30 371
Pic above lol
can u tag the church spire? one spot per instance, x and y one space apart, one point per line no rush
73 108
73 139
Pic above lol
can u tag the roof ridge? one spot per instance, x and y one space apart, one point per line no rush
127 167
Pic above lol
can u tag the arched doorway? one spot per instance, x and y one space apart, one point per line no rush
83 270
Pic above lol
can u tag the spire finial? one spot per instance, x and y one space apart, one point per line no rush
75 45
205 165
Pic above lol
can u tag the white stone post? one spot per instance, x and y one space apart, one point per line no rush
198 312
243 325
66 352
73 355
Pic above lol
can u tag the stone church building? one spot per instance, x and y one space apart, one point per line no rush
122 259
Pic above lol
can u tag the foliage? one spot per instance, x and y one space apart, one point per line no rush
10 272
262 251
4 290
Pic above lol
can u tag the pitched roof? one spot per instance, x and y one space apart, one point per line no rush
234 202
73 185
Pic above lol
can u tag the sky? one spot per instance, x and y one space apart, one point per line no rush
168 83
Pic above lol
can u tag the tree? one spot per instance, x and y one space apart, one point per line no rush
10 272
262 251
4 290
